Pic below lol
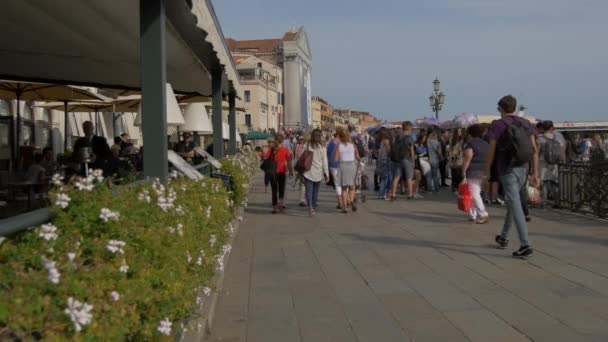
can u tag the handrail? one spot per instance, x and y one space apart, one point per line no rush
24 221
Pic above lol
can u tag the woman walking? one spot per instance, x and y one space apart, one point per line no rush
383 165
318 171
277 179
299 149
347 155
456 158
422 164
475 151
435 157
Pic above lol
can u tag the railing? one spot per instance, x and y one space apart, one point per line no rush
584 188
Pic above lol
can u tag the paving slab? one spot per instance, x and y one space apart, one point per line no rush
410 271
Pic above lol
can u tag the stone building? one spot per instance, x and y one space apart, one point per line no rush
262 84
292 54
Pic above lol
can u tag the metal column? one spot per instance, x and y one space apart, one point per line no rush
232 122
216 89
153 85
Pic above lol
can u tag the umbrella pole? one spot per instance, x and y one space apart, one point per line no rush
18 135
66 127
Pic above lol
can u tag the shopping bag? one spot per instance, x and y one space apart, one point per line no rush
465 201
534 196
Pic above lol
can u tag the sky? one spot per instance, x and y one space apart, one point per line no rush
382 56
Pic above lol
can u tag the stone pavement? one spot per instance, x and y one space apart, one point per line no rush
410 271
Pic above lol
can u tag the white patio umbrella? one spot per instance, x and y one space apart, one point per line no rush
174 113
32 91
196 119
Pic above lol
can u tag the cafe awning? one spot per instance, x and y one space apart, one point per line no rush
45 41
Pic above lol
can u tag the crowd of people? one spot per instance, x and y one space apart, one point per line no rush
499 162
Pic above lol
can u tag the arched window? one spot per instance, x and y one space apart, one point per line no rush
44 127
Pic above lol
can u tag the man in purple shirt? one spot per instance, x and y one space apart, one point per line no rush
512 174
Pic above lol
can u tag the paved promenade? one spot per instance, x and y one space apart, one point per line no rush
410 271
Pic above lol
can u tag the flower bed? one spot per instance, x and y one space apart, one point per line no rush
118 264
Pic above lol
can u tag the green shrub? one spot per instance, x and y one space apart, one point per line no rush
167 264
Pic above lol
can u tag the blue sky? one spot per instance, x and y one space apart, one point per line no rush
382 55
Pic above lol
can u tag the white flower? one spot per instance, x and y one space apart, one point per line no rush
51 267
180 210
48 232
98 174
165 327
107 215
115 296
240 218
206 291
184 188
189 257
71 256
219 263
227 203
124 268
208 212
226 249
200 260
51 250
199 300
116 246
85 184
80 313
174 174
144 196
62 200
57 180
212 240
180 229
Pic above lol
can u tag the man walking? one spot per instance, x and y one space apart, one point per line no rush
402 157
513 145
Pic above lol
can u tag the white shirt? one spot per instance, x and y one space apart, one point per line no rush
347 152
318 167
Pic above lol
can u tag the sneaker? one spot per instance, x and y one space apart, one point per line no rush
502 243
418 196
498 201
523 252
483 220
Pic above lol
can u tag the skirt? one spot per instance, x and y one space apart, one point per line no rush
347 173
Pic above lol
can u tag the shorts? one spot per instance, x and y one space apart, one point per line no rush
403 169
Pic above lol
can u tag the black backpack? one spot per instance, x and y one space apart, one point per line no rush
399 149
518 143
552 150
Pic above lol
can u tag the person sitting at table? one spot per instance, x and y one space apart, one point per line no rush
126 147
185 148
36 173
116 148
48 162
101 153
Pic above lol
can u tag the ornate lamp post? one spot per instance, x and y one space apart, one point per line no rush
437 98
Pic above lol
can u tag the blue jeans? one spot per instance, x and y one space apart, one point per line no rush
512 183
435 177
312 193
385 183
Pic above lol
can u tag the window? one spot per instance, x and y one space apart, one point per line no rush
248 120
247 96
27 129
44 125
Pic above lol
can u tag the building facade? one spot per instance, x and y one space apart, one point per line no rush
262 84
316 112
292 54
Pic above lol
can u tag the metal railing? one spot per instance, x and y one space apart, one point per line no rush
583 187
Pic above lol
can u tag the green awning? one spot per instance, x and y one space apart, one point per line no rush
257 135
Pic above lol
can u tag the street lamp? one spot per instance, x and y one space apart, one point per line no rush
437 98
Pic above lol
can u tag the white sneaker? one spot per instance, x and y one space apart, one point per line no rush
418 196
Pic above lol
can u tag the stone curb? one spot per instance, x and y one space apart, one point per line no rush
200 326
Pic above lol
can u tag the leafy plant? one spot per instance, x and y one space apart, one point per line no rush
118 262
